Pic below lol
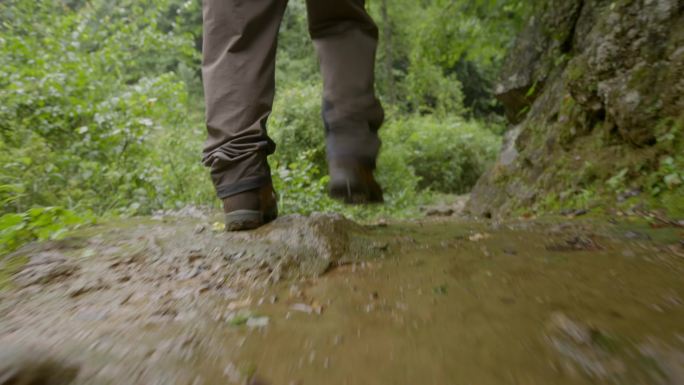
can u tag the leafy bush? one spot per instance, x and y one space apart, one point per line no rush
448 155
296 125
300 186
100 109
36 224
429 152
84 97
669 175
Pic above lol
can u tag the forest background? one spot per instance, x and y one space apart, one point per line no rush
101 108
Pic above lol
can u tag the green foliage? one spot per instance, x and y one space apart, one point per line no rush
420 153
665 178
438 54
296 124
619 176
85 96
669 175
100 108
39 223
297 64
673 171
448 155
300 186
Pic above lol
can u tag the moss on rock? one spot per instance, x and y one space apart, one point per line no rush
604 125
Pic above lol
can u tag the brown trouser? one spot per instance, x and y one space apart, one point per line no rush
239 81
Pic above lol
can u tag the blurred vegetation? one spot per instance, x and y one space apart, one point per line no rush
101 108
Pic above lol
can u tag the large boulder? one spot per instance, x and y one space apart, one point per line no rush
594 91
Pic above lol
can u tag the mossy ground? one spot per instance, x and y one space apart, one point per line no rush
8 267
591 168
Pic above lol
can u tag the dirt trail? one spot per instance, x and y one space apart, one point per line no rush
322 300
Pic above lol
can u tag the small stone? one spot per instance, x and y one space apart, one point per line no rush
302 307
84 286
439 212
257 322
478 237
637 236
578 333
574 212
194 255
43 274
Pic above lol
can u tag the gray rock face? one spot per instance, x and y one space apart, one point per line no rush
590 84
530 62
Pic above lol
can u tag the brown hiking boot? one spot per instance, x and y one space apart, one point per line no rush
250 209
353 183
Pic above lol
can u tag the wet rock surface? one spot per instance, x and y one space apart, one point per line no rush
320 299
112 289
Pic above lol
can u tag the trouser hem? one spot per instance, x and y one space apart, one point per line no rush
366 161
228 190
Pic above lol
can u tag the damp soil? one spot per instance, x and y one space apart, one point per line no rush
322 300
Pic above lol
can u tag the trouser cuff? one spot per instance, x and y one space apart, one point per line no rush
228 190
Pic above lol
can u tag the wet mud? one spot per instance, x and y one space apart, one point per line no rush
323 300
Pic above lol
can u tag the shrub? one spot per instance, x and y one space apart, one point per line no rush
296 125
39 223
300 186
447 154
95 114
84 97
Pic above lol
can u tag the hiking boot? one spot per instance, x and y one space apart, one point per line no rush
250 209
353 183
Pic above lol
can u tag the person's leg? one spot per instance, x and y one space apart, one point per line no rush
346 38
238 71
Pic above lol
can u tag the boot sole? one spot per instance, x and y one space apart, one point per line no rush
354 194
242 220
